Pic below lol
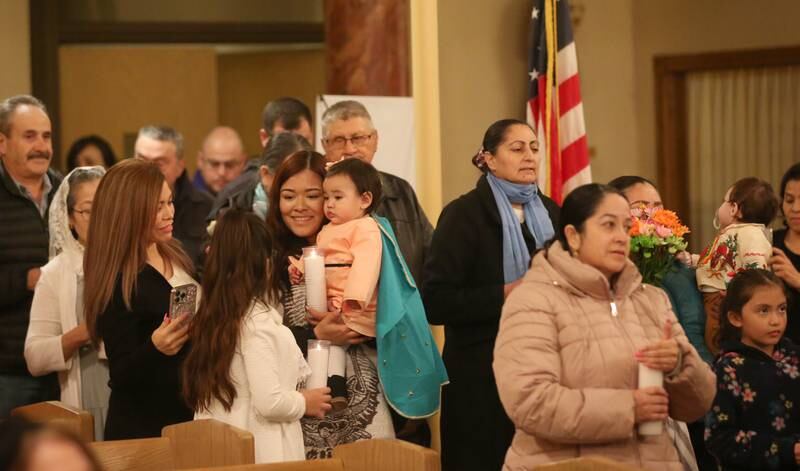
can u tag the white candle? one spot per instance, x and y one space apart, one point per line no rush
649 377
337 361
318 361
316 292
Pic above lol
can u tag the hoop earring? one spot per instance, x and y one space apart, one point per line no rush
715 222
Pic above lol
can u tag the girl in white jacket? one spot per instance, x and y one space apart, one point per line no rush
244 367
57 339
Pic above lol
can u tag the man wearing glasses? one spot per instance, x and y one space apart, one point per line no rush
348 132
220 161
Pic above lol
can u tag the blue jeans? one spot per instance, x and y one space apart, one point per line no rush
16 391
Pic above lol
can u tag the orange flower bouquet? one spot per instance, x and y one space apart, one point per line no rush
657 236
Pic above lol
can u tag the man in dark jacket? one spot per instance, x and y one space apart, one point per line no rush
348 132
163 146
286 115
27 186
250 191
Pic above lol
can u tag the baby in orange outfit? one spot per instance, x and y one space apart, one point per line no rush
352 247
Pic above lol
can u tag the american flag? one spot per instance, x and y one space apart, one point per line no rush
555 87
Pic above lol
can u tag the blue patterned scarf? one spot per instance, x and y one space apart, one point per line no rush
516 258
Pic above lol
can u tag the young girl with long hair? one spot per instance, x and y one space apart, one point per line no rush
755 421
244 366
131 265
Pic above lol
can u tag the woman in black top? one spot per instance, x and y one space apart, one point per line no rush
786 242
131 264
481 247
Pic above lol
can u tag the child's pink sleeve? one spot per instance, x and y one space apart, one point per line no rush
754 248
362 280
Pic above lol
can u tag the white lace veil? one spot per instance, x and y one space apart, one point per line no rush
61 238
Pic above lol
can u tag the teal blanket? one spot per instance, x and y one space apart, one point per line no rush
410 367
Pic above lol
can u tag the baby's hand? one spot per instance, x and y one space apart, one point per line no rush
295 275
334 305
688 259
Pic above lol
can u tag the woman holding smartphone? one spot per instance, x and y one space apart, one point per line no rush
132 264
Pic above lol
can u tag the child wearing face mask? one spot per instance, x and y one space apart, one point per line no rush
352 247
743 242
754 422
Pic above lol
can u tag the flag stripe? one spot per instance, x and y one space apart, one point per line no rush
567 63
581 178
572 160
569 95
572 126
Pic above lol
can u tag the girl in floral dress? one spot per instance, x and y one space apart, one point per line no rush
755 420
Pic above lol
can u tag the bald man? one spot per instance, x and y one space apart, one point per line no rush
220 160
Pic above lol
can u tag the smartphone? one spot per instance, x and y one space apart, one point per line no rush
183 300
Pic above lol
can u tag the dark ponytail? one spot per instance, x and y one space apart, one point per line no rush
492 139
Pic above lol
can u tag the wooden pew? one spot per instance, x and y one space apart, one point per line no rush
383 455
587 464
334 464
58 414
386 455
208 442
145 454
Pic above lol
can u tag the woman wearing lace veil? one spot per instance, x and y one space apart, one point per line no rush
57 339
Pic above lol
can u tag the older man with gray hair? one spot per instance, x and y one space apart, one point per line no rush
348 132
163 146
27 186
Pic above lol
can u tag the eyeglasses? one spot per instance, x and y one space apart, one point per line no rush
339 142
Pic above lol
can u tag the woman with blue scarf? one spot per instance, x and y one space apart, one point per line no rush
481 248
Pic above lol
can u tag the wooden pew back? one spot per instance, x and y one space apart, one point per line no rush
386 455
208 442
145 454
58 414
334 464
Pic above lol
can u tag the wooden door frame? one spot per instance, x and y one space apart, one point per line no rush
671 108
48 32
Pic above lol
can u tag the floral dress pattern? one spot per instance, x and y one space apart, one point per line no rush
755 420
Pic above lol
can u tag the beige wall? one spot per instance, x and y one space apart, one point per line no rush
605 45
689 26
112 91
483 61
482 68
247 81
15 48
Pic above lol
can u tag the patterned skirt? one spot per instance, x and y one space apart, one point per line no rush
367 413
